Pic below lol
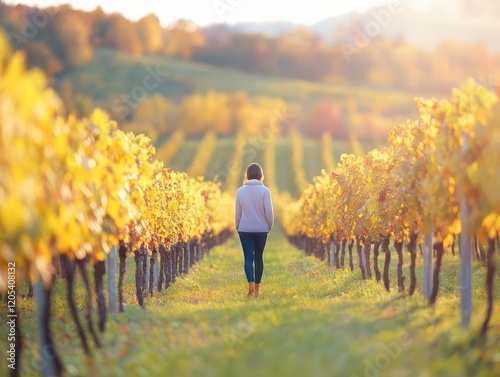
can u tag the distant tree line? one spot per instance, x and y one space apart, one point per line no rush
384 63
231 113
61 38
261 116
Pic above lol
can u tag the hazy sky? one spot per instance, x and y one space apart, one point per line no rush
205 12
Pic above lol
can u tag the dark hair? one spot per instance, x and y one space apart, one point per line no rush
254 171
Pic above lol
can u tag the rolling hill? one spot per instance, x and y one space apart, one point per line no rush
113 74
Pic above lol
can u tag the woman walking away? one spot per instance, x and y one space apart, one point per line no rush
254 219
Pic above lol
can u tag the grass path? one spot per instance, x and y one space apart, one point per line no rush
309 321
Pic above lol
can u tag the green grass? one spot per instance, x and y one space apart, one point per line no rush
285 175
183 158
217 168
309 321
313 160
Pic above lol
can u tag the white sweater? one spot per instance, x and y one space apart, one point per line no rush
253 208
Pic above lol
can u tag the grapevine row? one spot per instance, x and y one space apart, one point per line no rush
298 160
270 165
72 188
439 174
356 146
327 151
234 167
203 156
166 153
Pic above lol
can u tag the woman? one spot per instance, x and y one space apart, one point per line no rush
254 219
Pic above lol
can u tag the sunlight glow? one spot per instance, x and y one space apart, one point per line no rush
205 12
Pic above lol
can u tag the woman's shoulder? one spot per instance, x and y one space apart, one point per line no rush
252 185
241 190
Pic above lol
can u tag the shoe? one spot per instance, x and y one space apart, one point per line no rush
256 292
251 289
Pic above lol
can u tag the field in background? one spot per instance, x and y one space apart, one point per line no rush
115 72
115 81
285 173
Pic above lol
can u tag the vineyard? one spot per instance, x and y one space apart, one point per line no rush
72 188
437 180
232 155
81 196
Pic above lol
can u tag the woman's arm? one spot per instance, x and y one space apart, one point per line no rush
268 209
237 212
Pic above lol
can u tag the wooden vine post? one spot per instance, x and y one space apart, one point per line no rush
111 261
50 364
465 256
427 252
332 256
199 250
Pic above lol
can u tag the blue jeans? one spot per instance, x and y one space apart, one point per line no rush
253 248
